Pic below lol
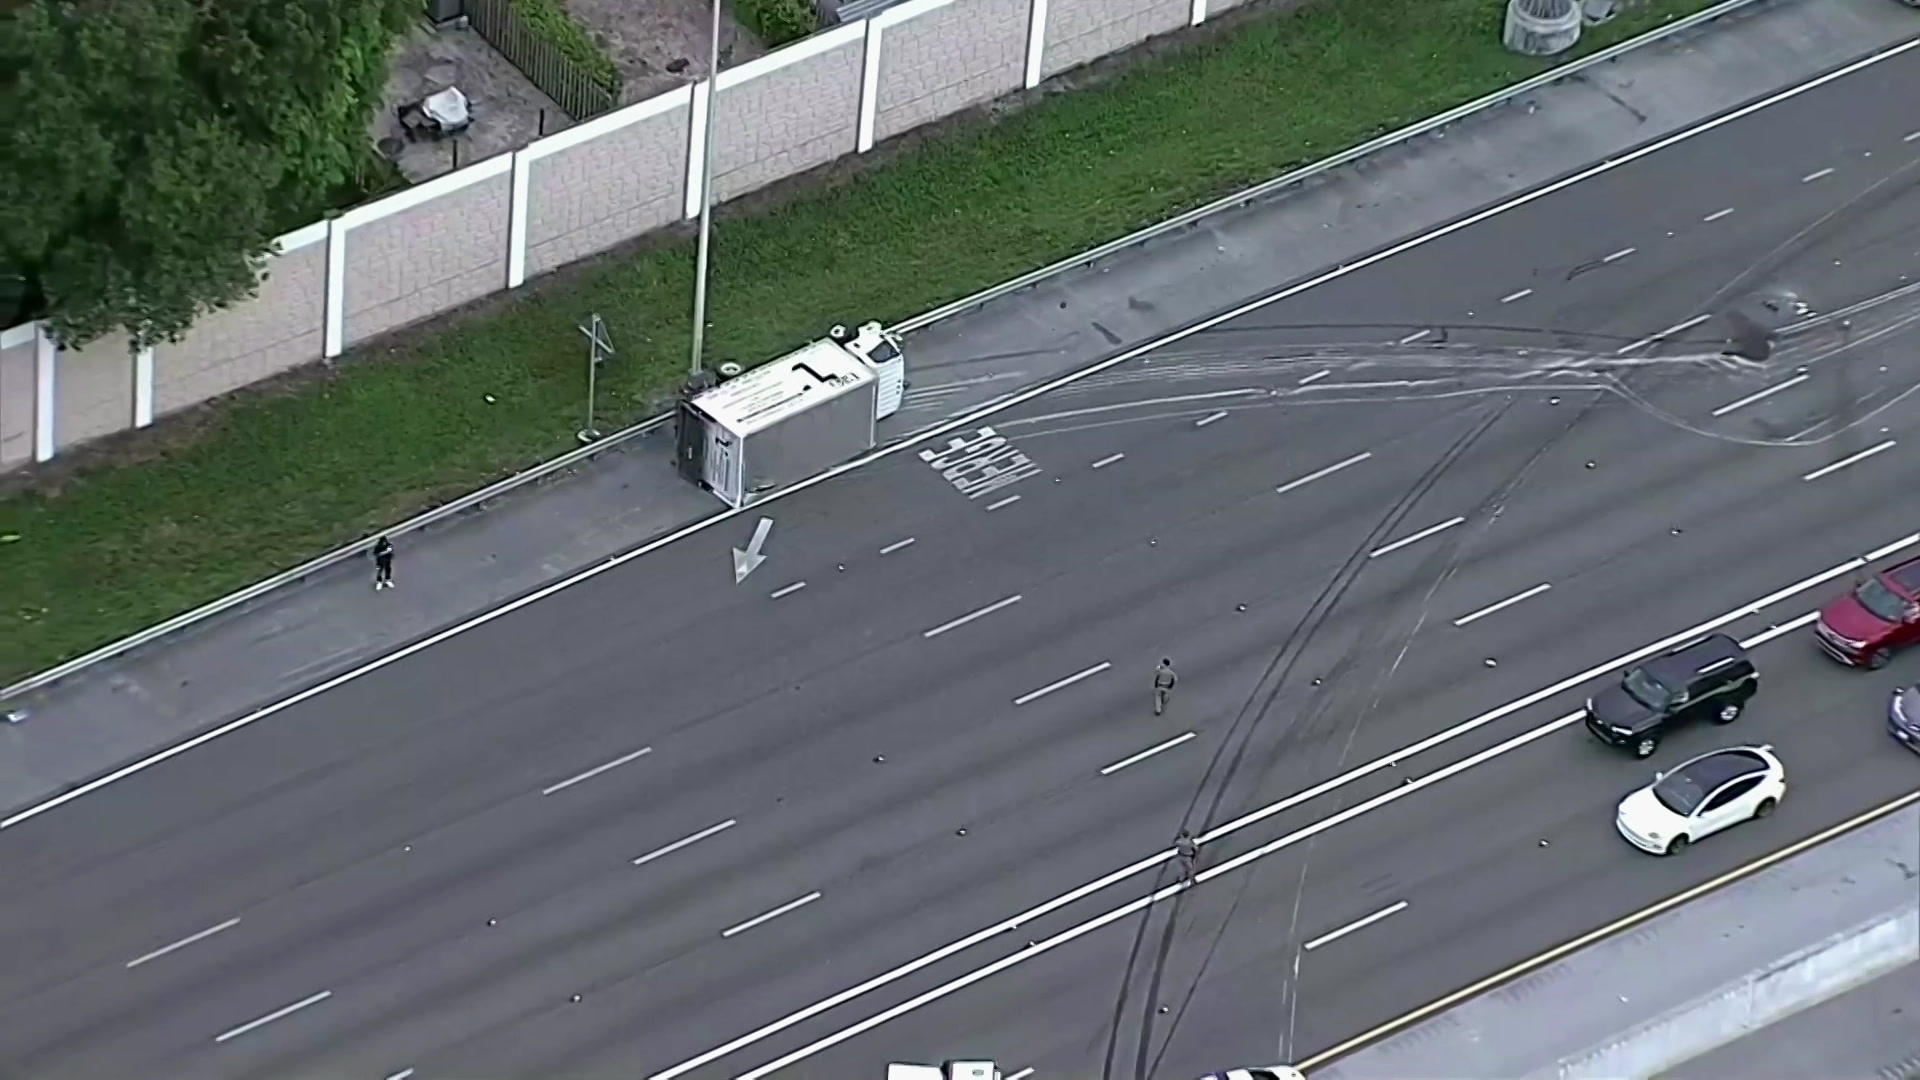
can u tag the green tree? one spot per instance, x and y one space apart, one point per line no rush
153 148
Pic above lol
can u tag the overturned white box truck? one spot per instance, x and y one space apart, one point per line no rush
792 417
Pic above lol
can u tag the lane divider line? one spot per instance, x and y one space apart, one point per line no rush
1147 753
685 841
1760 395
896 546
1108 460
1521 295
1618 255
1062 684
1357 924
1255 816
597 770
1413 337
970 616
272 1016
1210 418
1316 377
1812 176
972 420
1415 538
787 591
1502 605
1718 214
1008 501
1601 933
774 914
183 943
1849 460
1328 471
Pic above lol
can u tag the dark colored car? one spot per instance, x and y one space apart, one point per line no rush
1903 717
1712 677
1879 617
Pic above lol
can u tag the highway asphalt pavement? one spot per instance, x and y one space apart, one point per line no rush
637 821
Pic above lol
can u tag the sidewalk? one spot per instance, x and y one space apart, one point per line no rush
123 709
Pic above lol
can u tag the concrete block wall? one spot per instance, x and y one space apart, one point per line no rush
491 225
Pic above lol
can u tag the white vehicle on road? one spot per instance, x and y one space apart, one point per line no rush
1701 796
1267 1072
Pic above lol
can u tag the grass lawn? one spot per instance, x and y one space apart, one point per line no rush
278 479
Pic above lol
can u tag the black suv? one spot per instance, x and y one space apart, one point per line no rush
1711 677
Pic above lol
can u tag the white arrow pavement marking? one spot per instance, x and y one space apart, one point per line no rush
745 561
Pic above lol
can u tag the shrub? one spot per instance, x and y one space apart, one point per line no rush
777 22
552 22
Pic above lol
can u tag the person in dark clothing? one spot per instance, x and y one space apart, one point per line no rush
383 564
1163 680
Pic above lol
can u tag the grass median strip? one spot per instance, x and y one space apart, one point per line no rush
273 480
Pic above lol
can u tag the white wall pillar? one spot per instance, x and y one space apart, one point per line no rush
1199 13
517 222
43 396
869 85
336 301
143 387
1037 41
697 144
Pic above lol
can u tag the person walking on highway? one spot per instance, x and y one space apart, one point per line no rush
1188 851
383 564
1163 680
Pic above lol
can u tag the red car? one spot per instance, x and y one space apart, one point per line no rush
1878 618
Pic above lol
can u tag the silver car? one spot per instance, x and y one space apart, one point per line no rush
1903 712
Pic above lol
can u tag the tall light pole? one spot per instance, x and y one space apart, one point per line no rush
706 198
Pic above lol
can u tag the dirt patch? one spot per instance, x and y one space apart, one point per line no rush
660 44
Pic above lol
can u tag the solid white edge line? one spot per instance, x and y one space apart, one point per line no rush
597 770
1328 471
1281 843
1760 395
774 914
1299 797
973 419
786 590
1147 753
1850 460
1567 948
1502 605
183 942
1357 924
970 616
1063 683
1415 538
1108 460
896 546
685 841
272 1016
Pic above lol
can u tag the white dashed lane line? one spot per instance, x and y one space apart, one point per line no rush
1108 460
1357 924
1147 753
1849 460
1328 471
1415 336
183 943
1718 214
272 1016
971 615
1210 418
597 770
685 841
787 591
1760 395
771 915
1008 501
1676 328
1618 255
1316 377
1507 603
1063 683
1812 176
896 546
1521 295
1415 538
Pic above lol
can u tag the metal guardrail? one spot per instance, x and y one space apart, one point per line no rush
466 502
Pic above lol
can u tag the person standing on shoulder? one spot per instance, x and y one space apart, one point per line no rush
1188 851
1163 680
383 564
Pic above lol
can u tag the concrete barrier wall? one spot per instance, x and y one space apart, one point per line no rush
491 225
